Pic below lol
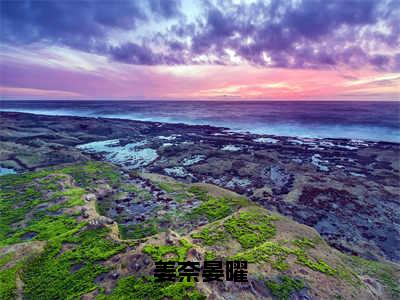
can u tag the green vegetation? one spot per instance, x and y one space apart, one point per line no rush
181 197
132 288
269 252
5 258
158 253
20 194
8 284
74 195
284 287
316 265
211 235
8 276
69 273
77 253
385 273
276 254
44 228
199 192
85 174
213 209
130 188
170 187
304 243
23 218
210 255
138 231
251 228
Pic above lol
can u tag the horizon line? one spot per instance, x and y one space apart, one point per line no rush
207 100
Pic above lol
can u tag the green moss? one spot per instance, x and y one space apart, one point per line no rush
276 254
170 187
210 255
158 253
270 252
8 285
50 275
56 273
74 195
52 182
21 193
211 235
130 188
86 174
199 192
181 197
182 291
5 258
44 228
251 228
386 273
213 209
7 277
18 195
284 286
147 288
145 195
138 231
303 243
348 274
316 265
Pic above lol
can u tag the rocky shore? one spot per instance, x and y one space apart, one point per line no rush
348 190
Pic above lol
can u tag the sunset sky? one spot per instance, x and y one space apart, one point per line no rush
171 49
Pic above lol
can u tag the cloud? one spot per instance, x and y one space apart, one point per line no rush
165 8
381 80
307 34
82 24
134 54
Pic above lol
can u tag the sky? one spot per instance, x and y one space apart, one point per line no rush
204 49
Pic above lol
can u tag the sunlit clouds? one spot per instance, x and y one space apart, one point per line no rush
191 50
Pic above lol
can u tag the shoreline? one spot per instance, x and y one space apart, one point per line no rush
333 185
223 128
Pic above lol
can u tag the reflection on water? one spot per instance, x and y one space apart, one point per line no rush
5 171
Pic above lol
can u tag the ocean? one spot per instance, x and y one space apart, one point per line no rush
376 121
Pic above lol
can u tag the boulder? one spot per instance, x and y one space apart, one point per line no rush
90 197
103 190
105 220
84 213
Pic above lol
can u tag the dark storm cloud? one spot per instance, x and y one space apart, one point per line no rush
81 24
76 23
313 33
134 54
288 34
166 9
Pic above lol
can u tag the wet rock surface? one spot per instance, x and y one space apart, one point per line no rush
142 207
346 189
287 260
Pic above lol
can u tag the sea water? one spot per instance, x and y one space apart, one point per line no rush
378 121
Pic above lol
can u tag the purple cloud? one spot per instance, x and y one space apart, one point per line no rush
81 24
287 34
